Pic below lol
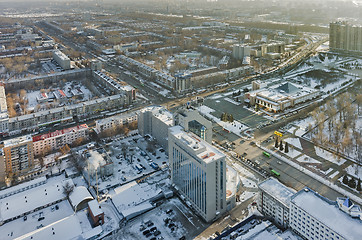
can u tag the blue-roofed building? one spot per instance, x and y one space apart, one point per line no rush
347 206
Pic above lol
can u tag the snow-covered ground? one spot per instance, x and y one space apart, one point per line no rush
334 174
306 159
186 223
294 141
292 152
232 101
235 126
33 104
329 156
125 171
232 181
355 171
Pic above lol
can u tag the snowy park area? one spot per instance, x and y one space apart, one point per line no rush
355 171
329 156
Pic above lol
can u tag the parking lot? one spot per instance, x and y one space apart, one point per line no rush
131 160
171 220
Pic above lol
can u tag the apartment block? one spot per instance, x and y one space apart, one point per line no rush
19 154
55 140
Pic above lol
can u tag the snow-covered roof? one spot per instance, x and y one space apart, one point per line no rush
133 194
199 148
93 232
139 209
78 195
26 201
22 187
328 213
95 208
66 228
277 190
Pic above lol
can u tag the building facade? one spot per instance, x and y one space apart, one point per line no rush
274 201
277 98
18 154
55 140
115 121
240 51
62 59
155 121
67 113
345 37
314 217
4 117
198 173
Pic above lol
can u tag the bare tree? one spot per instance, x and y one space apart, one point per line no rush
68 188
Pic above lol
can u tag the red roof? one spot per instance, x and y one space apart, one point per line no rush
58 132
62 93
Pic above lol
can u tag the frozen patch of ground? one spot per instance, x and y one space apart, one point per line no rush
355 171
294 141
306 159
328 156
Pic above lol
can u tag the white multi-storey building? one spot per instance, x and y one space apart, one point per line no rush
115 121
62 59
55 140
4 117
314 217
274 201
198 173
155 120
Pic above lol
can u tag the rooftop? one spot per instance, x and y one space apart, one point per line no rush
279 191
26 201
61 55
328 213
66 228
59 132
17 140
196 146
95 207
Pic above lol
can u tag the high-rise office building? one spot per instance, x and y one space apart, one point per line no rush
345 37
198 173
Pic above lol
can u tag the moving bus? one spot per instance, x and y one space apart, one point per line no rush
275 173
266 154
